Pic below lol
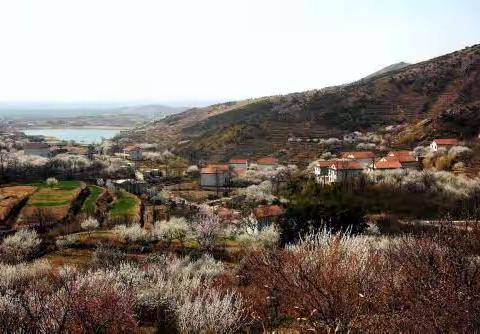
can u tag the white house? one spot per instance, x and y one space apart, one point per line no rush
341 171
215 176
321 170
34 148
445 143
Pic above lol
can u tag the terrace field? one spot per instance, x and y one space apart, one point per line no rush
125 207
50 204
90 204
10 197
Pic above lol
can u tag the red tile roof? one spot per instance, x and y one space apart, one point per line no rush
358 155
347 165
267 161
214 169
387 163
446 141
325 163
403 156
238 161
267 211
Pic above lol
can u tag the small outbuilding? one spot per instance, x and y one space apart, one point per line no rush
445 143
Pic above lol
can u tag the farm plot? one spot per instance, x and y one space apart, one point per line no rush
90 205
125 208
49 205
10 197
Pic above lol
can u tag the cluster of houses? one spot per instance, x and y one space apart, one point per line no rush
353 164
219 175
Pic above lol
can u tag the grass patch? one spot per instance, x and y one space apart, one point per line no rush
124 205
62 194
90 204
62 185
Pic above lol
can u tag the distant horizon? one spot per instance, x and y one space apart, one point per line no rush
186 104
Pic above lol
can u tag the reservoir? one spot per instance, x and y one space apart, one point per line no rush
80 135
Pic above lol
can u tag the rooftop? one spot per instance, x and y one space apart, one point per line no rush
346 165
388 163
446 141
267 161
214 169
403 156
238 161
358 155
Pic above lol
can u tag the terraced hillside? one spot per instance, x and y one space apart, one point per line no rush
50 204
443 94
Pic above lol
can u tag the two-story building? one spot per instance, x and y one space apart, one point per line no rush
344 170
215 176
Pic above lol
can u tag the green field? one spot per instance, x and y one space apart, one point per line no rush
90 204
124 205
62 185
61 194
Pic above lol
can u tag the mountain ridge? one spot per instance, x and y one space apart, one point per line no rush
438 92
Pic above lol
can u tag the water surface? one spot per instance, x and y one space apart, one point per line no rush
80 135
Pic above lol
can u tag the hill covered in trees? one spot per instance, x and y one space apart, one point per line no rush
438 97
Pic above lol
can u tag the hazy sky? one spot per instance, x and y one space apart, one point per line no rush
205 50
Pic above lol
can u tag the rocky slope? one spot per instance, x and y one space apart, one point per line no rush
436 97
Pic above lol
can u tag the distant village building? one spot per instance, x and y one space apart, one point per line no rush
443 143
132 186
133 153
267 163
215 176
341 171
39 149
386 165
321 170
364 157
406 158
238 164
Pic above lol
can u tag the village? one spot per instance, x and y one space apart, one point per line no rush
234 189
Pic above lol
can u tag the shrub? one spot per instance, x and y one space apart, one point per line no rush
132 234
168 231
460 153
89 224
207 230
69 240
267 237
107 257
51 182
211 312
21 246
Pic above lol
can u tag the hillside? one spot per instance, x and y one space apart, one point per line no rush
436 97
390 68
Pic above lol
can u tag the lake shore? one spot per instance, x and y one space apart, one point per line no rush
93 127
